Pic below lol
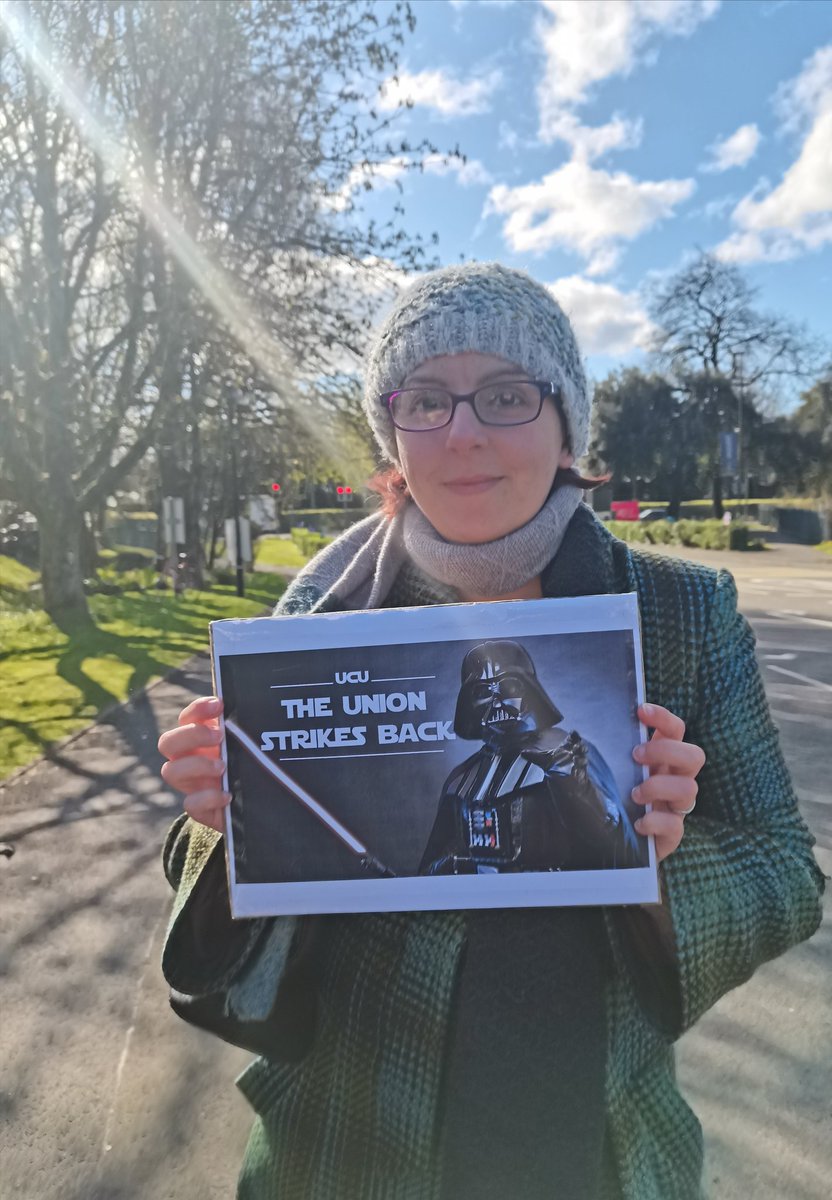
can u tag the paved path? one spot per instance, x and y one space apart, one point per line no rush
105 1096
758 1067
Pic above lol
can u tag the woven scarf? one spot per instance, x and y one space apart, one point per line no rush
359 568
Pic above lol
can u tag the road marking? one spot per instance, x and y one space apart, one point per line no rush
106 1145
783 657
826 687
784 615
815 719
797 649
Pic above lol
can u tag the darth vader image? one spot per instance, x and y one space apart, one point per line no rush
536 796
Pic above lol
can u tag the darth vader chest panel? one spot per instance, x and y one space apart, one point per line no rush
496 798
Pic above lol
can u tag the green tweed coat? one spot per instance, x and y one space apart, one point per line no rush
358 1116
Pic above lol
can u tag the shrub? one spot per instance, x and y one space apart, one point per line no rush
131 558
309 542
660 533
112 582
628 531
330 520
706 535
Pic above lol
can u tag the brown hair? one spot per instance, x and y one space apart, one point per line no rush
391 486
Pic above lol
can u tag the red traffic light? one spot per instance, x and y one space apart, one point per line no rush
348 491
340 491
275 487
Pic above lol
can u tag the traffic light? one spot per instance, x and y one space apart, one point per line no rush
275 487
343 491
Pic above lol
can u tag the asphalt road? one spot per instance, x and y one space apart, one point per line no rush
104 1095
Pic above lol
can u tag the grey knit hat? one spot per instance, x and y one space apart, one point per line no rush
484 307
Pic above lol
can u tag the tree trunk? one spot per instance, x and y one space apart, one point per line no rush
60 529
193 505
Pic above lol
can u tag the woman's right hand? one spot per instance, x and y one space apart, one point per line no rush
193 764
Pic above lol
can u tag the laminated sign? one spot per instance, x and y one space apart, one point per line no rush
457 756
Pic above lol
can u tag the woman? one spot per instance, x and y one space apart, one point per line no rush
508 1053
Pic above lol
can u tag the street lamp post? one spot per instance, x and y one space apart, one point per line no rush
739 371
233 396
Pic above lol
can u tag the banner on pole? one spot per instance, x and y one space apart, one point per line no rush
729 453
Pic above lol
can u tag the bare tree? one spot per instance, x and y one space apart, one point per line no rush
176 217
708 321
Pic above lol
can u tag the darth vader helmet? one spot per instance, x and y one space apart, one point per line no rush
500 698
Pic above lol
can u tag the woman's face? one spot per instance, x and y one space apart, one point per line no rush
478 482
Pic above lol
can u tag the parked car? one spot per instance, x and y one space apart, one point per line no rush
655 514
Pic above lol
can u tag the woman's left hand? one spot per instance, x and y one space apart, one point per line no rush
671 788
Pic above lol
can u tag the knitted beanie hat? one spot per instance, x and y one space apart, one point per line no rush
485 307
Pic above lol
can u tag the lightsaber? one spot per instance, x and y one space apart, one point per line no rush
368 861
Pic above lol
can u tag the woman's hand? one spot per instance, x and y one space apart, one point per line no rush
194 765
671 788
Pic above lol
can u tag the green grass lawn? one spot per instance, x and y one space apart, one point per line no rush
54 682
277 552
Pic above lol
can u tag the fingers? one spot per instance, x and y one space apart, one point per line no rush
194 765
206 708
682 758
193 773
207 807
666 827
676 791
190 739
665 723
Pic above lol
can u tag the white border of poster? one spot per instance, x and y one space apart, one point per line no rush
429 626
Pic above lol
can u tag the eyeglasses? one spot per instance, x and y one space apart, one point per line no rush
509 402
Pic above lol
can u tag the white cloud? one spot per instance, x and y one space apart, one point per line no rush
467 173
580 207
587 42
606 320
388 173
507 138
584 209
590 142
716 209
434 89
795 216
802 99
734 151
380 176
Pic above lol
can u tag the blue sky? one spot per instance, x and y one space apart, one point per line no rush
608 140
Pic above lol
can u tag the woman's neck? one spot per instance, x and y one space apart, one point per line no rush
533 590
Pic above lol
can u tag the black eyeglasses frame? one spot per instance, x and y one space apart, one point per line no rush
546 388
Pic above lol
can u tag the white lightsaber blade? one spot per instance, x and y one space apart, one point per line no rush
300 793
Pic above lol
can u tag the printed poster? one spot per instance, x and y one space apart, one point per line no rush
457 756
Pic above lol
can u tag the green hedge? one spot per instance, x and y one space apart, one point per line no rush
127 558
706 535
776 501
330 520
309 543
